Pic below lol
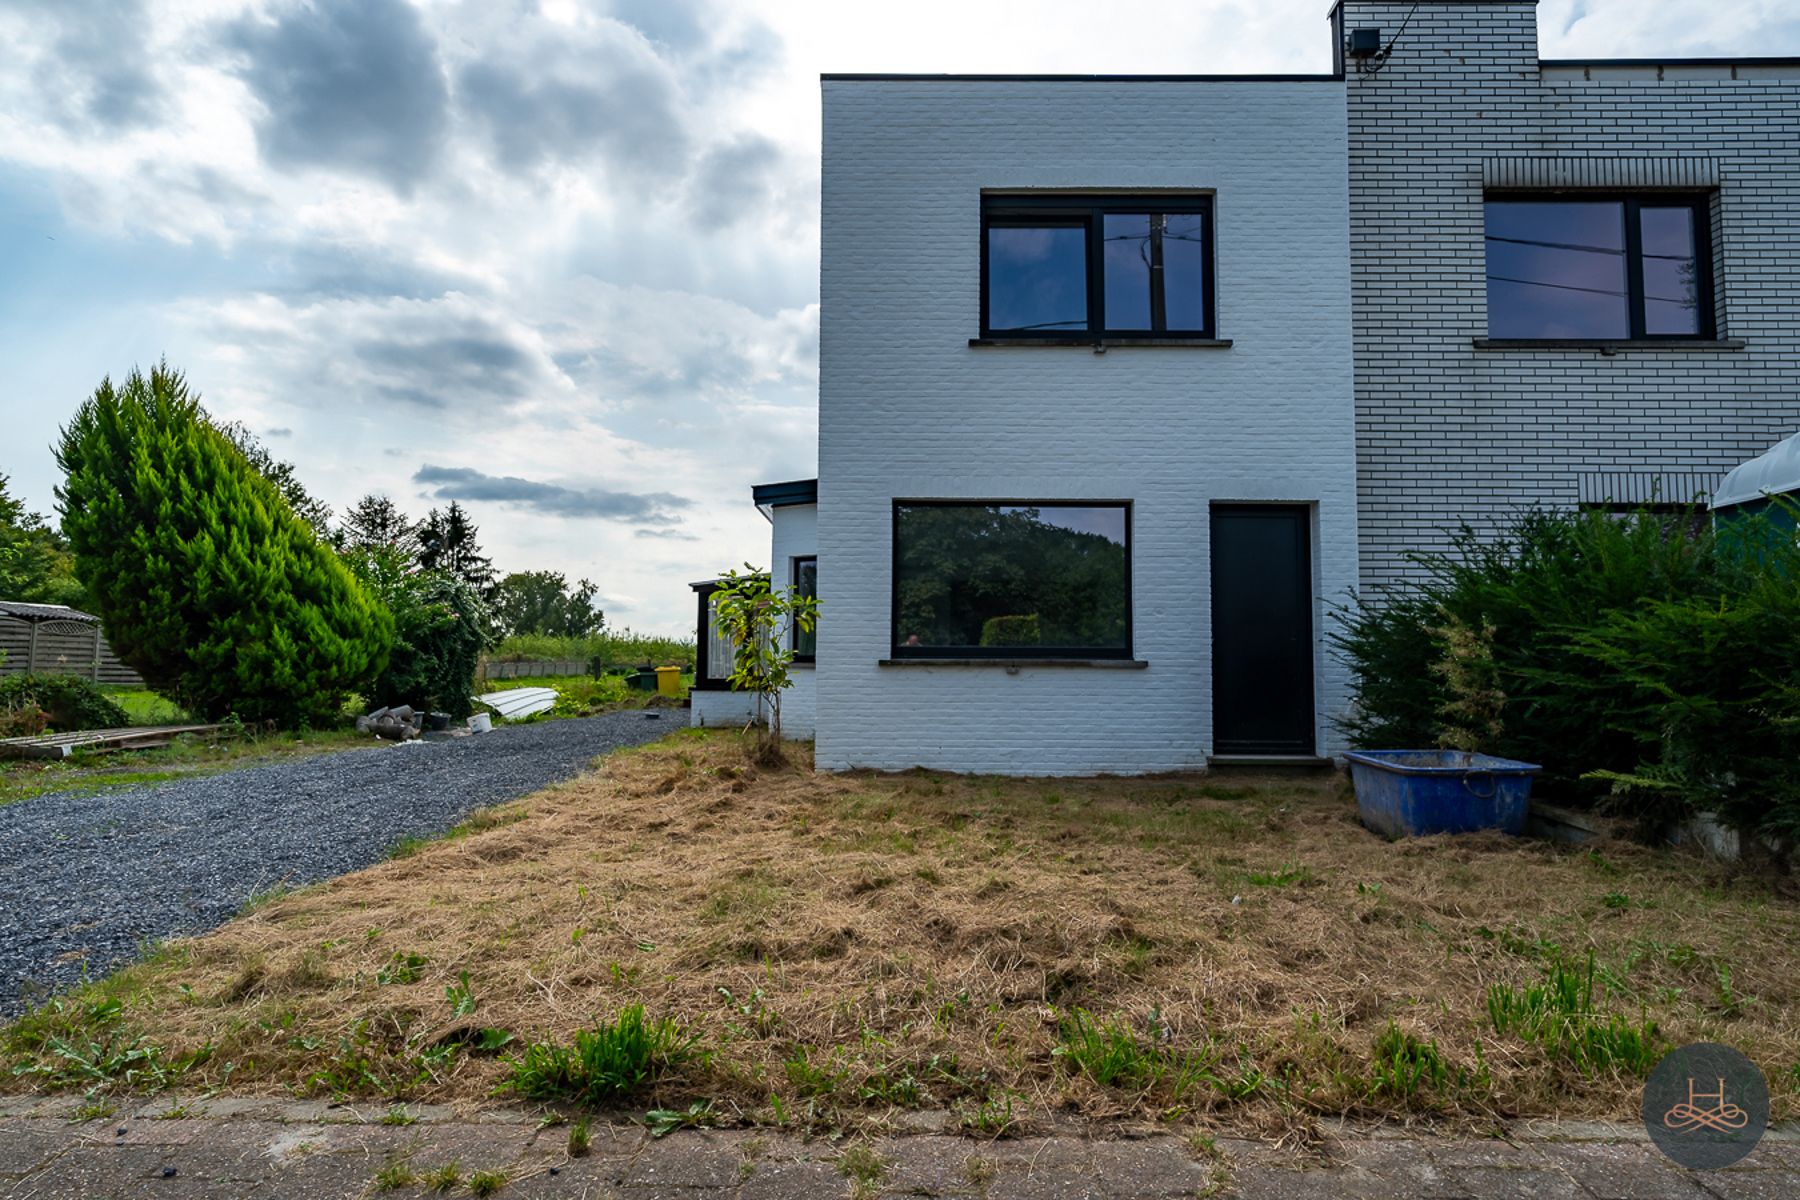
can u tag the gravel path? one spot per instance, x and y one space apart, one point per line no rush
85 880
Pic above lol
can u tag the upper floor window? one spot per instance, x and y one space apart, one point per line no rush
1599 268
1122 266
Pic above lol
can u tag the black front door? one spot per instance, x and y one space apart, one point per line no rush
1262 636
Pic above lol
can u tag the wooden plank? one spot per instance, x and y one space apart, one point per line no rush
61 745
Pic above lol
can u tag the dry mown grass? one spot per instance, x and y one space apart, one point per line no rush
846 945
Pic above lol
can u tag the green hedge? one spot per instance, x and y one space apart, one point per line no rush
1639 661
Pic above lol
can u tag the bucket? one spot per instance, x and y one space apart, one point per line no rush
1414 793
481 723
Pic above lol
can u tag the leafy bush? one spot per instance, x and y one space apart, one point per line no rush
210 586
608 1062
440 630
22 719
1024 630
62 702
1631 656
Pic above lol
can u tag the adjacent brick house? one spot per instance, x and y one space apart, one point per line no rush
1454 424
1124 380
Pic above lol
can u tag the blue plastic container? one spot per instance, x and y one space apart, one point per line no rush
1412 793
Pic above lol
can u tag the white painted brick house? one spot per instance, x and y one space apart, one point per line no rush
1209 351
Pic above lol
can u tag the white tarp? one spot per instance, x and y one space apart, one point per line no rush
1770 474
519 702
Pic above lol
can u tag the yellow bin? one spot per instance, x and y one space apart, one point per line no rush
668 681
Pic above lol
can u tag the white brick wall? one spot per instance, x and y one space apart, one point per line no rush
909 409
722 710
1447 432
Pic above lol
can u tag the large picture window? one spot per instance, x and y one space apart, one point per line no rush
1586 268
1118 266
1012 579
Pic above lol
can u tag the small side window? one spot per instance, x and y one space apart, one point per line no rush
806 584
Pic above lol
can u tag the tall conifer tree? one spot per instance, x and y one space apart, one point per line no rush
209 584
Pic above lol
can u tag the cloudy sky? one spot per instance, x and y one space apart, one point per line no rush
554 258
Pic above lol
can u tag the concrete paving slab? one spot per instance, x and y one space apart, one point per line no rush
1510 1183
934 1166
792 1181
690 1159
1734 1183
288 1153
1628 1171
1150 1168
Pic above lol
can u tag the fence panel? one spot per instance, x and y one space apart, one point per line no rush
533 670
61 648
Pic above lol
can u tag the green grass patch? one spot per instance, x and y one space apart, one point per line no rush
1407 1069
1111 1053
606 1063
1559 1015
146 707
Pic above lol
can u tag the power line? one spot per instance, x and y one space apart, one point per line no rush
1494 237
1566 287
1685 302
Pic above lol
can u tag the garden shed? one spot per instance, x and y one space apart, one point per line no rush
57 640
1753 487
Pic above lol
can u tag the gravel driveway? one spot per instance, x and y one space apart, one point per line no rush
85 880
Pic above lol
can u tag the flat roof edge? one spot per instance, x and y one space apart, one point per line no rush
1727 61
792 491
905 77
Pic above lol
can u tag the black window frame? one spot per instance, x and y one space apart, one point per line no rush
704 681
794 584
965 653
1089 212
1632 205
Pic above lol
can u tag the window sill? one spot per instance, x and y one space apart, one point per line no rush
1101 345
1116 664
1610 347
